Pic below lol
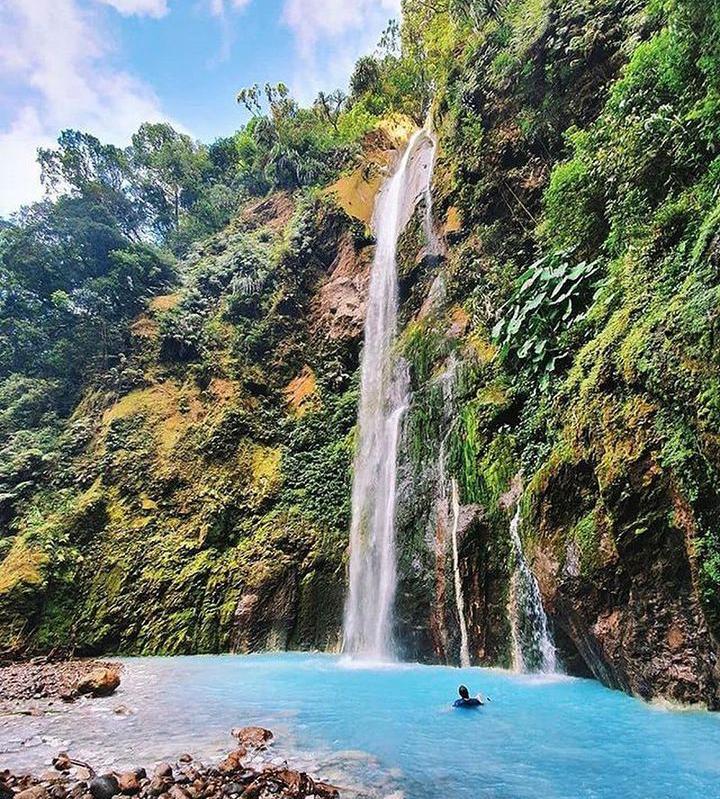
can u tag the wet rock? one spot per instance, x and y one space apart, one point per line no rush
159 785
323 790
245 776
41 678
35 792
99 682
163 770
233 781
253 737
186 758
62 762
129 783
104 787
233 761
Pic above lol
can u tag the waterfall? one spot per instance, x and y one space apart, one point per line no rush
533 648
383 401
459 600
450 506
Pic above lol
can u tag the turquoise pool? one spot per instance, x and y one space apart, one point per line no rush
389 731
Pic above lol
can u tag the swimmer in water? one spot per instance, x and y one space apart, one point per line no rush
466 700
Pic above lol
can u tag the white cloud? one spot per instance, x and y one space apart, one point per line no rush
219 7
19 172
56 56
140 8
330 35
314 20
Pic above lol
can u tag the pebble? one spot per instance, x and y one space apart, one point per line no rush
236 780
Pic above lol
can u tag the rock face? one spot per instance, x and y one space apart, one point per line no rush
340 305
636 621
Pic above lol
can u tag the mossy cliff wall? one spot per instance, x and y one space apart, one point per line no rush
203 505
562 351
577 184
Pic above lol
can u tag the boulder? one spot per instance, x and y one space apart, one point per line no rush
129 783
35 792
252 737
104 787
233 761
323 790
158 785
5 791
62 762
99 682
163 770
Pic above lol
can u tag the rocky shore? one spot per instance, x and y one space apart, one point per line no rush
247 772
44 678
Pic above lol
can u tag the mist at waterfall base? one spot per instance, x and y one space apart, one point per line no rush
383 401
390 728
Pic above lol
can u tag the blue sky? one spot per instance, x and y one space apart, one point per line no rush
105 66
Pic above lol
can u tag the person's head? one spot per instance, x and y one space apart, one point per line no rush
464 693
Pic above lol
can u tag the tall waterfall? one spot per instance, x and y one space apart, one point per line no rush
383 400
533 647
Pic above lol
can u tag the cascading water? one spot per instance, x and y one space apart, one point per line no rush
449 506
533 647
383 400
459 599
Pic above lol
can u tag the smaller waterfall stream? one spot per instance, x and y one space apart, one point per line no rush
533 647
449 506
459 599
